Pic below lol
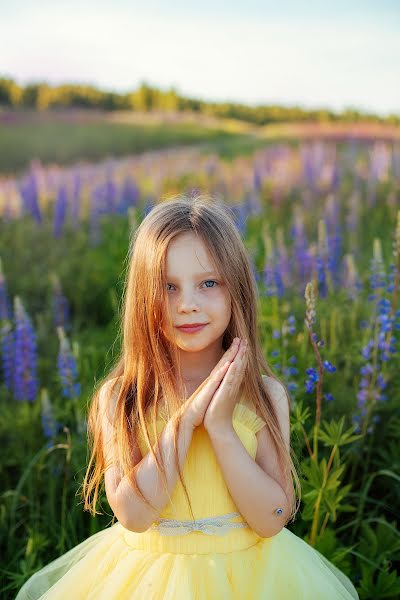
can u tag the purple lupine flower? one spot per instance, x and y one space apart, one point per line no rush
279 286
61 310
75 199
50 425
148 205
60 211
110 194
356 423
257 181
269 279
292 386
28 190
7 353
335 255
366 369
302 259
254 269
67 367
253 204
336 177
25 385
129 195
377 269
321 276
240 217
292 329
382 343
97 208
5 307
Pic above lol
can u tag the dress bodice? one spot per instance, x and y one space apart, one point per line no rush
207 490
202 474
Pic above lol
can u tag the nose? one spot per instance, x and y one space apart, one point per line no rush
187 301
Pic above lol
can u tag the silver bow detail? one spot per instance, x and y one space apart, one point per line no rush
219 525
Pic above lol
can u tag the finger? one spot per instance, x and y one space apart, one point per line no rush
237 367
241 356
229 355
209 385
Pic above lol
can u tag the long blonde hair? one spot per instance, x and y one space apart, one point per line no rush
144 372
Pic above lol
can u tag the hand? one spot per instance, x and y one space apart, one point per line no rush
196 405
220 410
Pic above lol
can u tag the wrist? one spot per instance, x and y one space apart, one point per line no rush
220 430
188 421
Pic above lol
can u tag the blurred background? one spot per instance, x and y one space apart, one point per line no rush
289 113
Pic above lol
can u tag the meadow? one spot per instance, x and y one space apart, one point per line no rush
320 218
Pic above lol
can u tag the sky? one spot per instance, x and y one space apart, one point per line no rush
338 55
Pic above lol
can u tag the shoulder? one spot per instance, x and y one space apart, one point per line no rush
276 390
281 401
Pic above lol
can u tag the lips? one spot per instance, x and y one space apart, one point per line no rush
191 325
192 328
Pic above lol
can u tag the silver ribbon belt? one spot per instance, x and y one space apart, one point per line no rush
210 525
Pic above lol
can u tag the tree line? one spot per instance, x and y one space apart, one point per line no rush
42 96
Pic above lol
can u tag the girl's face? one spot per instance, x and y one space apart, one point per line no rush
196 294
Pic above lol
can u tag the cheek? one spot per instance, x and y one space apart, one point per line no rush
221 304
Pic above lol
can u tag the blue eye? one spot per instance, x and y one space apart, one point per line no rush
206 281
212 281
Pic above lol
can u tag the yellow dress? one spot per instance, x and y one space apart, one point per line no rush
214 562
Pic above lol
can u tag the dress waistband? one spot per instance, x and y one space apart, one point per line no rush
219 525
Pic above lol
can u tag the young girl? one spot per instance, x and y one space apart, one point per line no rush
192 440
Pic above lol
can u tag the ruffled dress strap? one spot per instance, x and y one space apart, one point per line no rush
248 417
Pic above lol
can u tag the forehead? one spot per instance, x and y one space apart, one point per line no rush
188 251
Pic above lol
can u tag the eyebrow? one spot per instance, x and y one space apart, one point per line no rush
203 274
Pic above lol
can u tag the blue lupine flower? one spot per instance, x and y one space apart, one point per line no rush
7 354
50 425
60 211
61 310
5 308
312 373
25 385
329 367
67 367
129 195
28 189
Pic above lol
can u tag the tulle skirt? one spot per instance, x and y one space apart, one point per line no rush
106 567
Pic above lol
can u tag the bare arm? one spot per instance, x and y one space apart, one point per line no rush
256 486
255 493
129 508
136 515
